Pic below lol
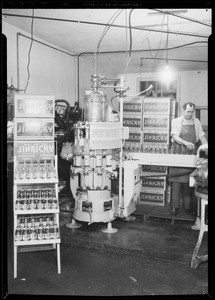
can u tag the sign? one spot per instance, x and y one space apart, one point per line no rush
156 122
33 129
34 106
134 122
156 106
149 182
133 107
154 168
152 198
35 150
134 136
156 137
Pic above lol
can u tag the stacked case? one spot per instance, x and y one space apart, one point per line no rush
149 122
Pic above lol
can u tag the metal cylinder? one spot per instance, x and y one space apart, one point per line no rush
95 106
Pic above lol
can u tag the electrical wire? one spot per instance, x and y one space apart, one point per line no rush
148 91
160 38
29 52
107 27
127 59
130 33
113 105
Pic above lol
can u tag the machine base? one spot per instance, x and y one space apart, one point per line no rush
109 229
73 224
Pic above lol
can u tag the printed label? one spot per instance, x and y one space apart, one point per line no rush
33 129
34 106
152 122
155 137
35 150
132 122
134 137
152 182
152 197
154 168
132 107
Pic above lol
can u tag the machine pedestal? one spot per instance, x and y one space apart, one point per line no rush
73 224
109 228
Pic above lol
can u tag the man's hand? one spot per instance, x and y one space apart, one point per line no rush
189 145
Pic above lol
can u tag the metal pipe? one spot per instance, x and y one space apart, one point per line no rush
182 17
174 59
46 44
124 51
104 24
17 57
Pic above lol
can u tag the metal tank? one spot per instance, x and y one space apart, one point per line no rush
95 106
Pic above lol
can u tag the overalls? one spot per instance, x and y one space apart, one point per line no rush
178 175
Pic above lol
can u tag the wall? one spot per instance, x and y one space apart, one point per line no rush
192 86
51 72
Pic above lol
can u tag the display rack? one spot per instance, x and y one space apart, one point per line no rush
35 191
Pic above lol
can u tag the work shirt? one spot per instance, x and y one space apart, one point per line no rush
177 125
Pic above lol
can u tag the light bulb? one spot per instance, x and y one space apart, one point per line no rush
167 75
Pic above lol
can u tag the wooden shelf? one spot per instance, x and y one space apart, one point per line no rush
39 181
36 211
37 242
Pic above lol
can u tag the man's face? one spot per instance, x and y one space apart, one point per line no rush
188 112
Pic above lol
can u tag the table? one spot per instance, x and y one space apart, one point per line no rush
196 259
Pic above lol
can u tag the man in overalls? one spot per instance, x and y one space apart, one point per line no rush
186 132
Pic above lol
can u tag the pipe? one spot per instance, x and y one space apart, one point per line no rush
174 59
46 44
104 24
182 17
17 57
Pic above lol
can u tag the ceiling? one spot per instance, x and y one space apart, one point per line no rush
141 34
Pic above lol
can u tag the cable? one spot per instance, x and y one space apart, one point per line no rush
127 60
113 106
130 33
29 52
148 90
108 27
160 38
104 33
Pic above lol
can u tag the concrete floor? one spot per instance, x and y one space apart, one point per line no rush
145 257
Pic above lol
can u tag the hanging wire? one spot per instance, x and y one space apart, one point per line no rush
130 33
29 52
107 27
127 59
167 40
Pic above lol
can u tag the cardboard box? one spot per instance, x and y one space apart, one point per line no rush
133 122
42 106
152 197
155 137
132 106
134 142
156 122
151 170
154 183
157 106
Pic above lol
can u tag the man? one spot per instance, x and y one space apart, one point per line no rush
186 132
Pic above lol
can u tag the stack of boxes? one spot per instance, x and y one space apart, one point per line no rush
149 122
132 118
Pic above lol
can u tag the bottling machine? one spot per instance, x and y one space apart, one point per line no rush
97 159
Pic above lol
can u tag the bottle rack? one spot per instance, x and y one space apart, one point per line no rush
35 190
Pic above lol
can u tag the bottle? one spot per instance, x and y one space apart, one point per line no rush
34 169
28 169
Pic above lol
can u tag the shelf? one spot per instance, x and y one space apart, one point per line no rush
37 242
39 181
36 211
